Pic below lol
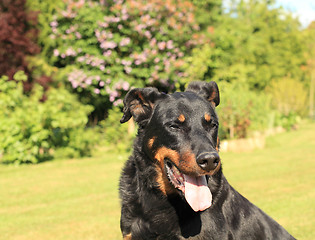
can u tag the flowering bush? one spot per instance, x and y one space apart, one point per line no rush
104 48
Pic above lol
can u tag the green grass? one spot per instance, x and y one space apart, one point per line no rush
78 199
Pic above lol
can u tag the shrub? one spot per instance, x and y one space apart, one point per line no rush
115 133
289 99
288 96
242 111
103 49
31 131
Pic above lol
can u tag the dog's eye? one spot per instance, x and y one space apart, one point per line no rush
174 126
209 126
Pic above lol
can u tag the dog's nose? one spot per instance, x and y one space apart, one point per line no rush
208 161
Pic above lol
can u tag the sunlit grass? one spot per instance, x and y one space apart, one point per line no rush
78 199
280 179
73 199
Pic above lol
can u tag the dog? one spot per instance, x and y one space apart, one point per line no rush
172 186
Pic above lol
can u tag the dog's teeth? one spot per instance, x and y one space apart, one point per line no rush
180 179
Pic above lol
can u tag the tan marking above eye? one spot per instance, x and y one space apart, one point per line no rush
151 142
207 117
181 118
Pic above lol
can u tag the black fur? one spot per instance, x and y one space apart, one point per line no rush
175 132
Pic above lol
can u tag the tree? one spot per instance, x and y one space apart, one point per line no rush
255 43
17 36
309 34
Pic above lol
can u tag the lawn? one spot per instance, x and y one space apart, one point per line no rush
78 199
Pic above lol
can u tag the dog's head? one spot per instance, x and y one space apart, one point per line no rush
180 135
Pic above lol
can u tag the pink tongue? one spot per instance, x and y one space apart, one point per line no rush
197 193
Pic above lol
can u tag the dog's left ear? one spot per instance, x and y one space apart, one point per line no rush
139 103
207 90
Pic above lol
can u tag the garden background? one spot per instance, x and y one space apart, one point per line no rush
66 65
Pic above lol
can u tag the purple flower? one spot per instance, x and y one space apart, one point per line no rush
161 45
124 42
139 27
56 52
118 102
147 34
108 45
128 69
125 62
78 35
125 86
54 24
107 53
74 84
153 42
169 44
111 98
103 24
80 59
97 91
70 52
138 62
88 81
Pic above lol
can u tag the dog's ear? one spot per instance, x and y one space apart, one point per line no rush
207 90
139 103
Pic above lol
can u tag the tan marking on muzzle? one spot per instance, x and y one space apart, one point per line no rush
127 237
162 180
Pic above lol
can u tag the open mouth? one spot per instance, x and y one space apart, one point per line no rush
195 189
175 176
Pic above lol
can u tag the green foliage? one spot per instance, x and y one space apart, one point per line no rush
254 45
242 111
102 50
254 42
117 134
46 10
32 130
289 98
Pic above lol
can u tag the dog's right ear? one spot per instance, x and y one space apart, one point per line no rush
207 90
139 103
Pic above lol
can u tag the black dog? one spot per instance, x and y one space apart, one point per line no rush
172 186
